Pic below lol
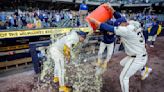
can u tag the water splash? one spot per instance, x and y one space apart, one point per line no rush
80 73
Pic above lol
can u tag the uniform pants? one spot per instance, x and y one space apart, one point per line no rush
116 47
109 47
152 38
131 66
145 33
58 59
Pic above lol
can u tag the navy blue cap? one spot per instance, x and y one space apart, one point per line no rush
116 15
82 34
119 21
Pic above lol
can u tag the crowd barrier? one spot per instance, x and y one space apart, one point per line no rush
11 42
37 32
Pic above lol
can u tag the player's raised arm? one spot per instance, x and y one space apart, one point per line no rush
107 27
102 26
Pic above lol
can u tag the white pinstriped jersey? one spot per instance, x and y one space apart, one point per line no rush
132 38
70 39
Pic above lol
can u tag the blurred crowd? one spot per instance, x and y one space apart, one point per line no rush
123 1
51 18
146 20
35 19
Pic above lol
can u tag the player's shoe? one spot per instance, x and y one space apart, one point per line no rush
145 73
152 46
104 65
98 64
64 89
56 79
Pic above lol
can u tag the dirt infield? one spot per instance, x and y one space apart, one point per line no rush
24 82
154 83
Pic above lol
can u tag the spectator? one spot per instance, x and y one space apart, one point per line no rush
147 1
15 21
41 17
2 17
2 26
70 15
38 23
11 19
30 25
57 16
23 20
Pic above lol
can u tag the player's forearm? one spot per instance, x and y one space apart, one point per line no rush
106 27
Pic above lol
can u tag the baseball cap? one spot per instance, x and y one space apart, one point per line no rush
82 34
119 21
117 15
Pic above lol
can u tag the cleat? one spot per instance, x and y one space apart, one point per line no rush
98 64
100 70
56 79
145 73
64 89
104 66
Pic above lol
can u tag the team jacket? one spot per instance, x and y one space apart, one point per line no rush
155 29
106 37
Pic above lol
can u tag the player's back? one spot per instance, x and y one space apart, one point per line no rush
70 38
133 41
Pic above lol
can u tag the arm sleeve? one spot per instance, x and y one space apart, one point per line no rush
116 15
106 27
136 24
121 31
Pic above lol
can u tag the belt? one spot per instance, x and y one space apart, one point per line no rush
136 56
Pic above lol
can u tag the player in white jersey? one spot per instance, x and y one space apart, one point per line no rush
134 44
61 53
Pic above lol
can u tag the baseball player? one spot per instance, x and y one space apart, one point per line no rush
61 53
107 42
154 30
134 44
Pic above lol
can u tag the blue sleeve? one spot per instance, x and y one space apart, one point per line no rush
109 22
106 27
117 15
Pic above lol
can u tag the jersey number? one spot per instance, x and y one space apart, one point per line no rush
141 37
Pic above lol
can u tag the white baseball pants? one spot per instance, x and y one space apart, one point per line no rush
152 38
131 66
109 47
58 59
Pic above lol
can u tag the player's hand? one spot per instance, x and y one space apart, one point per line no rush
97 23
92 20
109 7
